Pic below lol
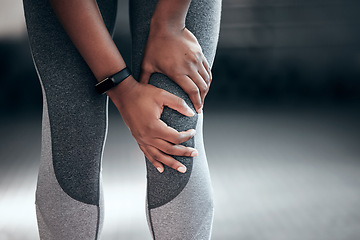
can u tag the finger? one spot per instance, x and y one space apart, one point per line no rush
169 134
176 103
156 164
166 159
144 77
204 74
188 85
201 84
176 150
208 68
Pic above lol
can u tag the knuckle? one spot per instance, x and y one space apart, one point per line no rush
178 139
206 78
170 150
203 89
180 102
150 159
150 128
162 94
194 91
177 77
153 162
193 57
173 164
188 64
185 152
156 156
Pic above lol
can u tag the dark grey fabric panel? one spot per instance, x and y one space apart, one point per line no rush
77 113
161 187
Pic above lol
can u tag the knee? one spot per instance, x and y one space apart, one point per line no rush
171 117
166 186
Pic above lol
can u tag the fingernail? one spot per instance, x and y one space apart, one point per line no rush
159 169
193 132
200 110
182 169
194 153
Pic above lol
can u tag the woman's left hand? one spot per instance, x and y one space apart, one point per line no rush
177 54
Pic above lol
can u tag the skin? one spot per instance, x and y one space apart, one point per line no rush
181 59
83 23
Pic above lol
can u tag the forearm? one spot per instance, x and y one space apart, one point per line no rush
83 23
170 13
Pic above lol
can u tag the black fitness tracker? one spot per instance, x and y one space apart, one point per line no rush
112 81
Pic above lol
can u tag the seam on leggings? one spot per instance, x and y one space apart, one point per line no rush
103 148
100 166
151 224
98 223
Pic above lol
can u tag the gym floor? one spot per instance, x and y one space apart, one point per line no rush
278 173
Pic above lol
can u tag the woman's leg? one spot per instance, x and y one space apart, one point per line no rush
179 206
68 195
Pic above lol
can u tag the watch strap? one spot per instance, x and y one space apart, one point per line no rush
112 81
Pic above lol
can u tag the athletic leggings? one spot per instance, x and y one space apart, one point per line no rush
69 202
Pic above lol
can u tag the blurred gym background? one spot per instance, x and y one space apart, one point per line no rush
281 126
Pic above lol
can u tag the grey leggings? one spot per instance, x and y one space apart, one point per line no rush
69 202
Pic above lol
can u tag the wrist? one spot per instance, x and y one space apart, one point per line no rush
164 25
170 13
120 91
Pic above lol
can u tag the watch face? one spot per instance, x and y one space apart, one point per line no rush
105 85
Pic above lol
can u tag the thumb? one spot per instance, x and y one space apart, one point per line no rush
177 104
144 77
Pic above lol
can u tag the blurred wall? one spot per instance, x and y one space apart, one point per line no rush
288 50
269 51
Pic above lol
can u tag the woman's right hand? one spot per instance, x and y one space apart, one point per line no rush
141 105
